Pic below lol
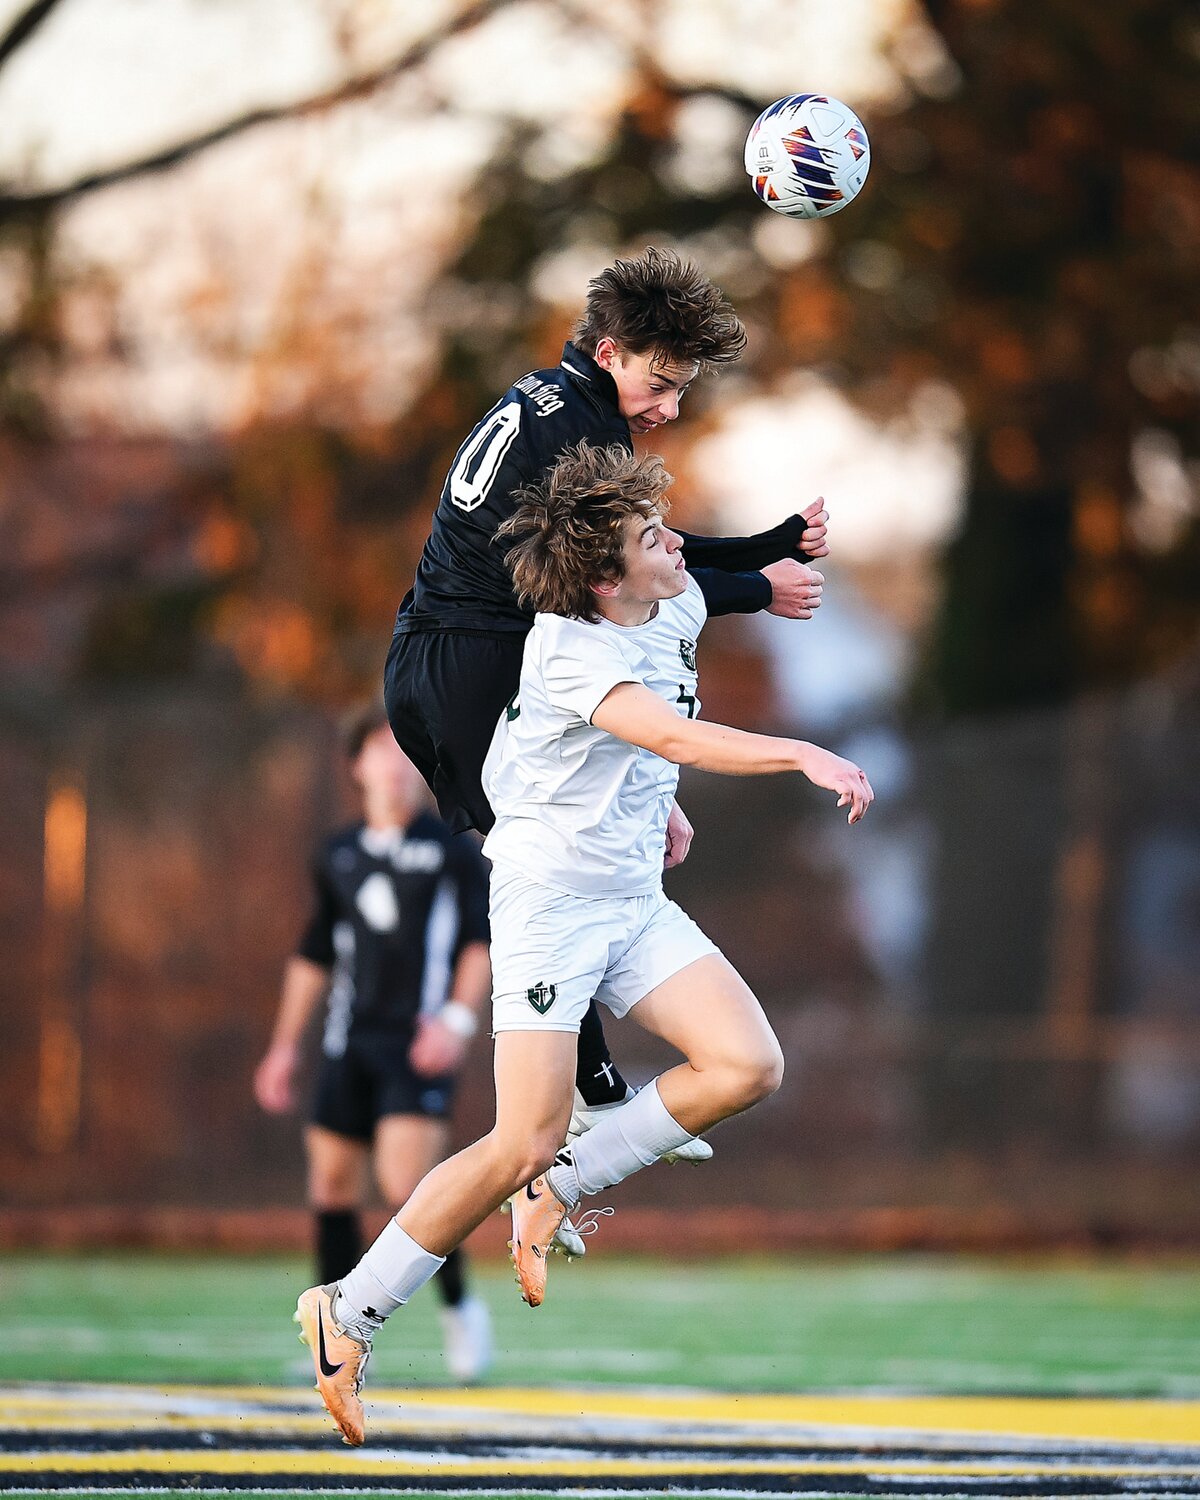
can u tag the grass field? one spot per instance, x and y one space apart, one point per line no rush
140 1376
905 1323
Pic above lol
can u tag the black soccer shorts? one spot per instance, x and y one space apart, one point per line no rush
373 1079
444 691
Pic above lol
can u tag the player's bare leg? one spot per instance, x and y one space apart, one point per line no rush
337 1179
534 1078
406 1148
709 1013
733 1061
337 1168
534 1073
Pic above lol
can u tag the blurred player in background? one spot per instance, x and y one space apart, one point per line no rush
651 325
397 946
582 772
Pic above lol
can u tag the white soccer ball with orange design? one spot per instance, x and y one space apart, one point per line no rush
808 156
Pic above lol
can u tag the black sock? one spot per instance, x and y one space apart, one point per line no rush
339 1243
452 1278
596 1075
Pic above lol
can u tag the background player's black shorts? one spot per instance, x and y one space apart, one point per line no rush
372 1079
444 692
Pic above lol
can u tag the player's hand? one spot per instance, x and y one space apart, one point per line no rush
436 1050
795 589
824 768
813 541
679 838
275 1080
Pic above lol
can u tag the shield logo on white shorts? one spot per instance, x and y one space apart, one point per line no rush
542 996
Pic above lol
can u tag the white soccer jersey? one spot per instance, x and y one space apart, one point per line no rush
576 808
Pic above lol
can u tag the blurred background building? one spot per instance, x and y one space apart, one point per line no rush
263 265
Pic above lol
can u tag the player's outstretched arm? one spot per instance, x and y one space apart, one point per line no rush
801 536
304 986
634 714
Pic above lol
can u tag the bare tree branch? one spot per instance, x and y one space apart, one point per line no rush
16 204
646 63
24 26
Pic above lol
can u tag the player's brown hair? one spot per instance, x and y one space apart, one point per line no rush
359 724
660 304
569 528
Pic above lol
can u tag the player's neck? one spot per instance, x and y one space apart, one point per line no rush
627 612
385 815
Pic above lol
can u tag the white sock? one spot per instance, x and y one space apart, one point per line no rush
631 1138
564 1180
385 1278
582 1104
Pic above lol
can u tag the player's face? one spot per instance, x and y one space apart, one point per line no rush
653 562
384 772
649 389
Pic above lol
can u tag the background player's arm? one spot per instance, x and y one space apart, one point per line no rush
634 714
440 1047
444 1038
304 987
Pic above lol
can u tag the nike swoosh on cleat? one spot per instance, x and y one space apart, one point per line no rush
326 1368
530 1194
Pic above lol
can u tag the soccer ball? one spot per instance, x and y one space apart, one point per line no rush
807 156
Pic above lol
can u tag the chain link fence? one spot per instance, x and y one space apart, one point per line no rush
988 993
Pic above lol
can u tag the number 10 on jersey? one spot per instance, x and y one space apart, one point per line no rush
482 454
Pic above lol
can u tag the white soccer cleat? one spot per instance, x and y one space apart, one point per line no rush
695 1150
467 1333
568 1241
585 1116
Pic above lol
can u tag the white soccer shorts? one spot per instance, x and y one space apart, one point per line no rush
552 952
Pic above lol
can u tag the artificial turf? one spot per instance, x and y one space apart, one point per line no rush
911 1323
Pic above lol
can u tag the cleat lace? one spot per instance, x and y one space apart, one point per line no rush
361 1371
587 1223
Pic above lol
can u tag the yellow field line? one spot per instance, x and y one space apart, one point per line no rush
368 1466
1085 1419
1105 1420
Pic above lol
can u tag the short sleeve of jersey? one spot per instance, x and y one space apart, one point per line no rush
580 665
316 941
470 872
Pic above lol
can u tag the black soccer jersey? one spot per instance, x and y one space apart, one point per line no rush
393 912
462 583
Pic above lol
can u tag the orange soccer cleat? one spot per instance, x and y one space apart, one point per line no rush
536 1215
338 1357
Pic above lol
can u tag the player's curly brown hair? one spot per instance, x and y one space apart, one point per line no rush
660 304
569 528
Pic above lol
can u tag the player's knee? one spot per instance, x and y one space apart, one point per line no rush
520 1160
771 1075
759 1073
537 1158
330 1192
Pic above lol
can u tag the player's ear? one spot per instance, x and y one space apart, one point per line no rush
606 588
606 352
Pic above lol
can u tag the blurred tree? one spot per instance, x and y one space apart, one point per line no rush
1029 237
268 551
